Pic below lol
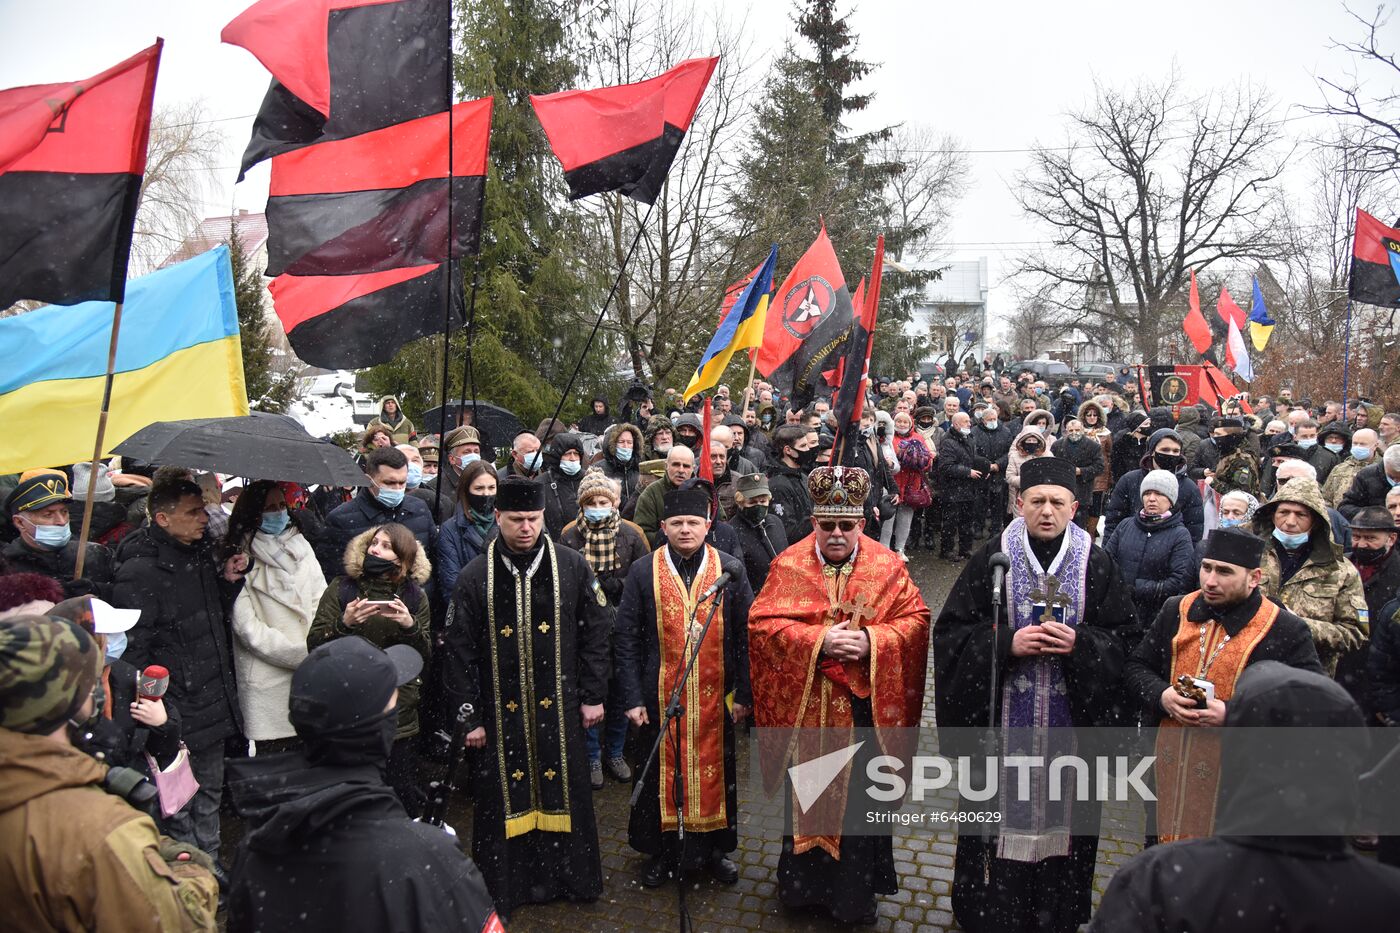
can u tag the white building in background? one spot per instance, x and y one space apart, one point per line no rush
952 312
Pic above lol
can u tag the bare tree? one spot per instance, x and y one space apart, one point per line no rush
1035 325
667 304
1372 121
921 198
181 162
1154 183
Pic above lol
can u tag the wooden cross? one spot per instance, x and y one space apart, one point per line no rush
857 610
1051 595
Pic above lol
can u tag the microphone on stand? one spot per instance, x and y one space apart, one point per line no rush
152 683
1000 564
719 584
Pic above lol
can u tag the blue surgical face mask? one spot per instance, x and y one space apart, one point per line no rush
570 467
274 523
392 498
1231 522
1291 541
465 459
597 514
992 425
624 454
533 461
1307 443
51 536
415 475
1362 453
1335 448
116 644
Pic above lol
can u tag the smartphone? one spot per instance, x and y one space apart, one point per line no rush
380 602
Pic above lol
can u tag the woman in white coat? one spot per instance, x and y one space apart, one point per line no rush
273 612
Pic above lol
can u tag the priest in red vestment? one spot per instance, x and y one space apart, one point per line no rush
838 640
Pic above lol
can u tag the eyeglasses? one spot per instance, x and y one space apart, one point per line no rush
830 525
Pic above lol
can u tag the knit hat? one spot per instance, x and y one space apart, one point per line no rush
28 594
47 670
102 490
596 483
1160 481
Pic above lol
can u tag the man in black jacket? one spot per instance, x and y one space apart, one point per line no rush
1373 537
792 457
383 501
1372 484
961 468
170 574
563 467
1086 456
993 439
761 535
329 846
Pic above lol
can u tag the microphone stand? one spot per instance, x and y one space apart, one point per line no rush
998 598
672 720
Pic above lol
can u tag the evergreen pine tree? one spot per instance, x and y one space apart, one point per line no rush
268 389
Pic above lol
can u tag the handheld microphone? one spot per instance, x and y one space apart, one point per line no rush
152 683
718 585
1000 564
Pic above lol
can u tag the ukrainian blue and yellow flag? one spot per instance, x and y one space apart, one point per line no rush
178 356
740 329
1260 324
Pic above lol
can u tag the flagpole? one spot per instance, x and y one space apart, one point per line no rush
748 391
601 314
101 439
469 366
443 464
1346 361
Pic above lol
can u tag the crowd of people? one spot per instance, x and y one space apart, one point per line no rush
329 651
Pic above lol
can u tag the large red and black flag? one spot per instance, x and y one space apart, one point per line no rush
855 374
352 321
623 138
71 160
341 68
808 326
1375 262
380 200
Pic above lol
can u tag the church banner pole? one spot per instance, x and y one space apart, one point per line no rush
443 397
1346 362
101 440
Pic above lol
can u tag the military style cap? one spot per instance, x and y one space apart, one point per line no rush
752 484
37 489
466 434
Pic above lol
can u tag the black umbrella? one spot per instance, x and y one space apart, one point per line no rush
260 446
498 426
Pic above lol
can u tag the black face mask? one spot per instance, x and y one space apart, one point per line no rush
1368 555
1169 462
806 459
366 743
733 460
482 505
754 514
376 566
1229 443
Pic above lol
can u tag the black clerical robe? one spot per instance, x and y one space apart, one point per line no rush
993 894
637 651
529 644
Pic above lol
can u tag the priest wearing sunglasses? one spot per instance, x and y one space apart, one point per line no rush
838 641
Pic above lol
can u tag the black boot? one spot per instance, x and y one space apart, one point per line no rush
656 872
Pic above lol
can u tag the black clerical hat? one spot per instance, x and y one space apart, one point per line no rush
688 499
1230 546
517 494
1047 471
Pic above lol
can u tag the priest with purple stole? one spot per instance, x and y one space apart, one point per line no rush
1059 654
665 602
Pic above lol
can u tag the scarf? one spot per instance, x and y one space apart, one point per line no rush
600 542
1035 708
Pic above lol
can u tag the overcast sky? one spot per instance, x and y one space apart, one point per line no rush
999 76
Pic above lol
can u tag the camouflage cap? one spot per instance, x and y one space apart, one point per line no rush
47 670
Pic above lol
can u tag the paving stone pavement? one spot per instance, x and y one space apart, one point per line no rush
924 859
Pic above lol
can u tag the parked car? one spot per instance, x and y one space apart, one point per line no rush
1052 371
1099 371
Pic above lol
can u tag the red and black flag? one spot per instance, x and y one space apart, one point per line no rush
341 68
855 375
808 325
71 160
379 201
623 138
1375 263
353 321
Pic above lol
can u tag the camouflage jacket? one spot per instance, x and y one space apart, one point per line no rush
1339 480
1326 591
1238 472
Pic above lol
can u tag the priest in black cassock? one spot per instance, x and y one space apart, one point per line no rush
529 649
657 630
1059 651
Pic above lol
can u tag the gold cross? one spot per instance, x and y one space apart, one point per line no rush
546 702
858 610
512 706
518 774
544 628
549 775
1051 596
840 704
709 772
507 631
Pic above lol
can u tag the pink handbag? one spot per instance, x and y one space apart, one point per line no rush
176 784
